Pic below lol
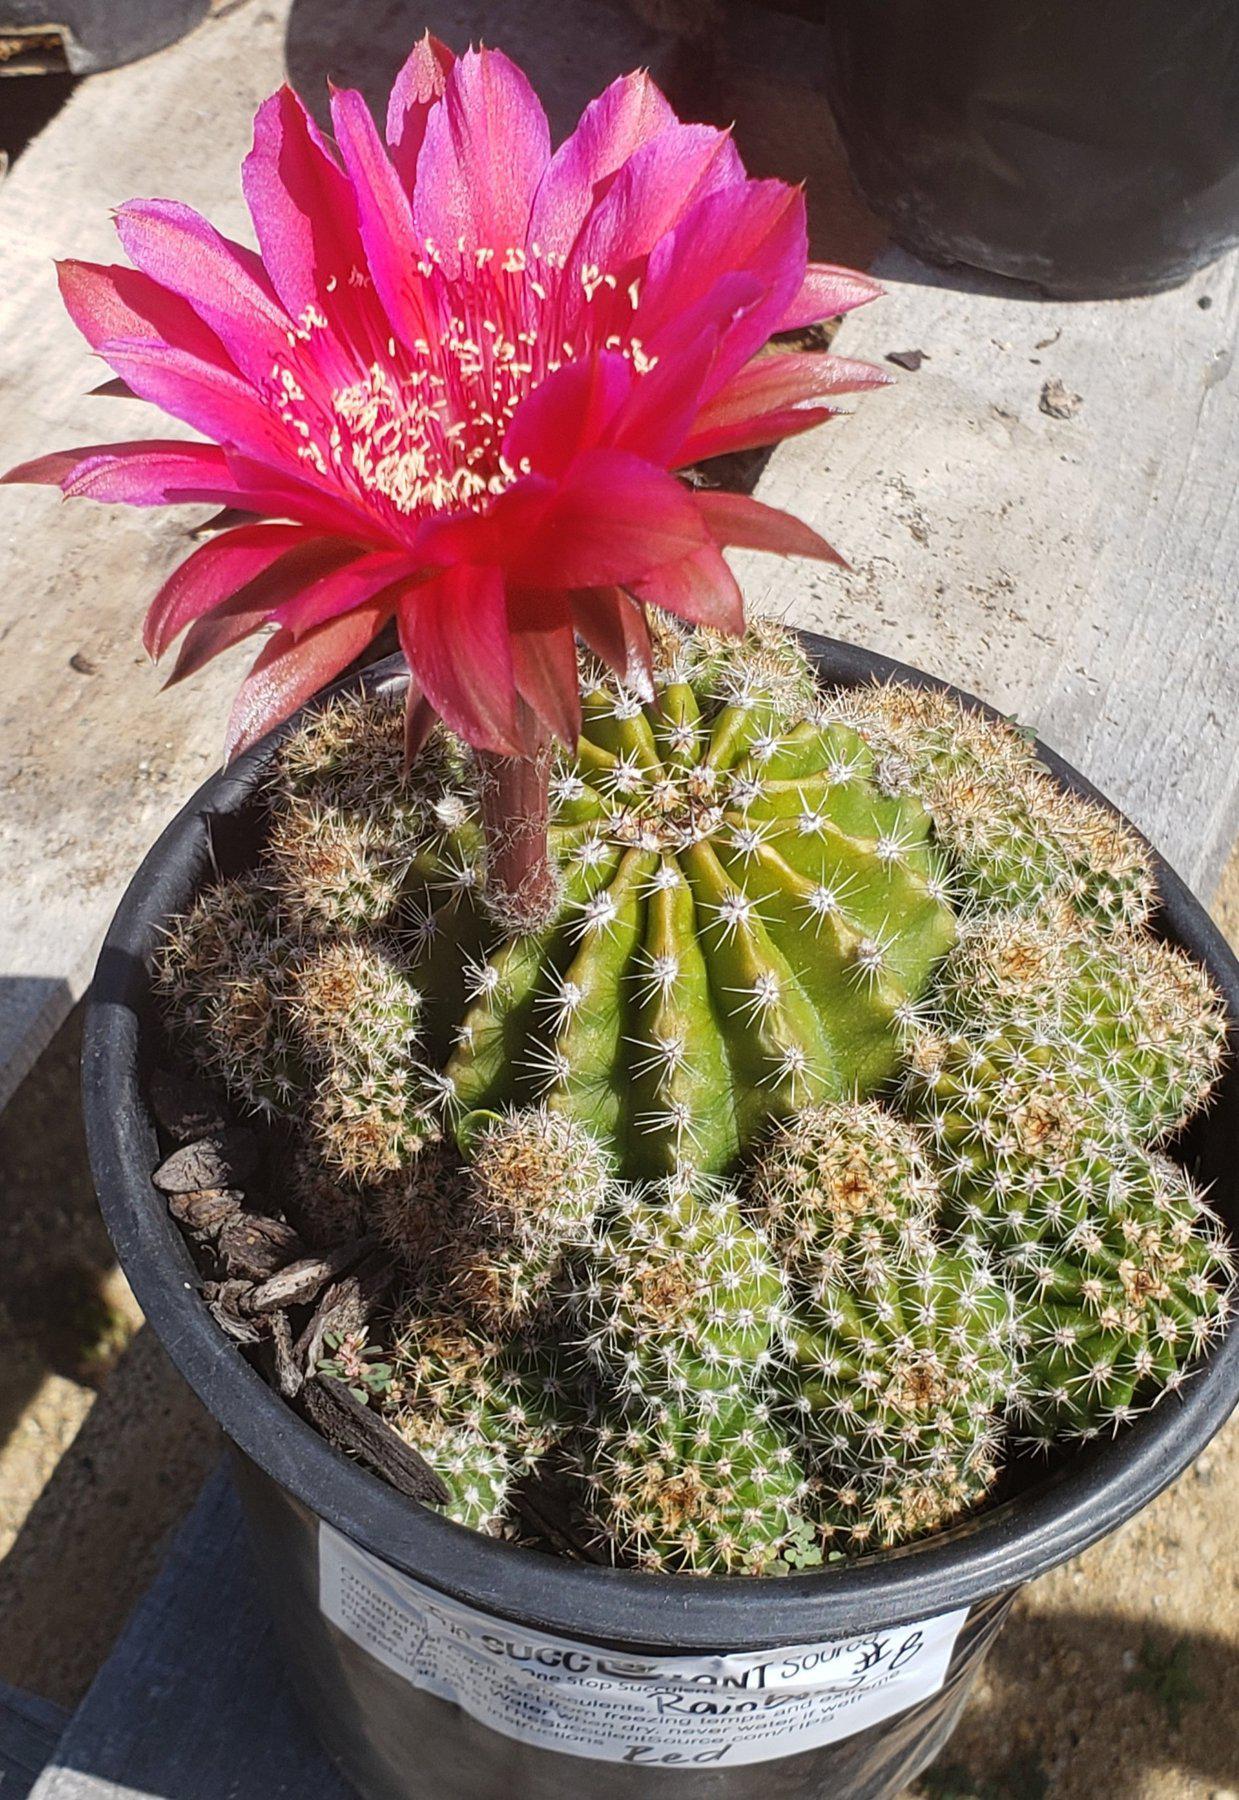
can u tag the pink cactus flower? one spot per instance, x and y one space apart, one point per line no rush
453 385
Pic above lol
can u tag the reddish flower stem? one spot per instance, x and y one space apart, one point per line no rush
521 881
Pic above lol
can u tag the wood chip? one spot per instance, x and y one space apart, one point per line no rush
907 359
301 1281
224 1301
208 1210
288 1376
350 1426
255 1247
224 1159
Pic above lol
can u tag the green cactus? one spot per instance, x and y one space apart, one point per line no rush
482 1411
841 1181
900 1367
535 1183
1138 1012
860 1516
1116 1299
222 972
681 1297
1012 1112
709 1488
321 1028
1012 833
745 913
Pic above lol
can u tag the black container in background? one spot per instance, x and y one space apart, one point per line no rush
1089 146
396 1741
80 37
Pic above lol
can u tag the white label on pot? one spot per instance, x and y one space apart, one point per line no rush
654 1711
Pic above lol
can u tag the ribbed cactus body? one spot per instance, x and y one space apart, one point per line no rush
807 1148
325 1029
681 1297
1011 1114
900 1354
745 915
481 1410
536 1182
839 1182
713 1487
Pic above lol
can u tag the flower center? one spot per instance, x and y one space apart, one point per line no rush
419 426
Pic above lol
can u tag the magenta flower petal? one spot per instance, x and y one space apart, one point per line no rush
613 518
613 626
612 127
143 473
570 412
302 206
454 632
289 671
215 571
384 214
662 407
487 143
416 88
827 291
750 433
253 605
700 588
220 405
224 282
768 387
760 232
107 301
462 370
741 522
341 589
650 193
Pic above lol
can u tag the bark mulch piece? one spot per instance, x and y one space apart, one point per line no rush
349 1425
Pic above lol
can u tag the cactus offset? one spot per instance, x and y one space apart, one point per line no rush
1012 832
481 1410
535 1184
837 1181
1118 1299
681 1297
713 1487
1138 1011
900 1368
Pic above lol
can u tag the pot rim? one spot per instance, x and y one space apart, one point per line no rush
1103 1483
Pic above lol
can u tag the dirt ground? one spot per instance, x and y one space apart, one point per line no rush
1116 1679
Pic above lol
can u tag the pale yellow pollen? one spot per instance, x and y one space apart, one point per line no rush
422 429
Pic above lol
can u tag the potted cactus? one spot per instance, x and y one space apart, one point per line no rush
725 1105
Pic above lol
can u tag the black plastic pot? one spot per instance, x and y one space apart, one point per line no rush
80 37
1090 146
397 1741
